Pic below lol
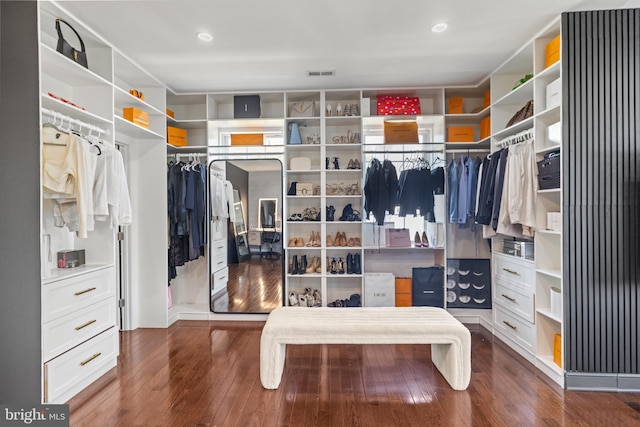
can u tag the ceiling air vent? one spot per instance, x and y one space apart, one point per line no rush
320 73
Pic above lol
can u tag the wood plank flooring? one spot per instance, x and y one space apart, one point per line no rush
254 286
199 373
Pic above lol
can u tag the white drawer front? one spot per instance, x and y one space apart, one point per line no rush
220 279
519 301
218 255
517 329
65 296
69 373
64 333
513 270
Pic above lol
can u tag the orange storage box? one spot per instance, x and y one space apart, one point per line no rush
176 136
485 127
557 349
247 139
460 134
137 116
403 292
171 114
400 132
552 52
455 105
487 99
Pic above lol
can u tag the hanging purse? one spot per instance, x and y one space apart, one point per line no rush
79 56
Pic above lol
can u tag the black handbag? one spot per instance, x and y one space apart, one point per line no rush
79 56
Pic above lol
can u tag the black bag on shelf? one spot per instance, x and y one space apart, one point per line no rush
79 56
522 114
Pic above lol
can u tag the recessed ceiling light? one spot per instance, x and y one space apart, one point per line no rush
439 27
205 37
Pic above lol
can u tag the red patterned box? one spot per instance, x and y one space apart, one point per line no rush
398 106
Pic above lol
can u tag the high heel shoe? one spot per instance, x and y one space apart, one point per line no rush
425 241
326 163
329 240
338 240
416 240
336 165
311 239
303 265
334 266
330 213
350 164
343 239
311 268
356 164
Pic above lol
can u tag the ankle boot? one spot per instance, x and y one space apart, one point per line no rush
294 265
311 268
303 265
357 266
330 213
347 212
350 263
336 165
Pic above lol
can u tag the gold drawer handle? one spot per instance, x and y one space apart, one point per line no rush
509 325
90 359
85 325
85 291
511 271
509 298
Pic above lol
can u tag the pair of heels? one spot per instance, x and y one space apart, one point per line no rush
314 240
311 214
296 242
353 164
339 239
421 242
336 266
334 162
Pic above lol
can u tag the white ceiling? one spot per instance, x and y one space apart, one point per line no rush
270 45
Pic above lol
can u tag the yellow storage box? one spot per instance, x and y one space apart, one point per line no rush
552 52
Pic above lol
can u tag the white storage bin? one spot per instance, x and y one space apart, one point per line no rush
554 93
379 290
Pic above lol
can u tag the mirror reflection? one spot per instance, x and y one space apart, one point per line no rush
245 248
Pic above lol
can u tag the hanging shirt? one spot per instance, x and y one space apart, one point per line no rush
453 191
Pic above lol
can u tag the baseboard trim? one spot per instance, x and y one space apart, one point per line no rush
593 381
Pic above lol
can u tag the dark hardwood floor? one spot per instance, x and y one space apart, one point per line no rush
199 373
254 286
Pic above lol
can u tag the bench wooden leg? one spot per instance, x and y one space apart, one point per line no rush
272 356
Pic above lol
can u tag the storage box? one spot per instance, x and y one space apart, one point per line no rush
487 99
455 105
554 221
554 134
137 116
397 237
246 107
550 165
555 302
485 127
554 93
403 292
518 248
176 136
552 52
557 349
379 290
400 132
460 134
304 189
70 258
171 114
398 106
549 181
247 139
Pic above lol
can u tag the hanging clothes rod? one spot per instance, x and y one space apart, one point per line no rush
518 137
56 115
405 152
470 150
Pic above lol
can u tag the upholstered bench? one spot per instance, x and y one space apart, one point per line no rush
450 340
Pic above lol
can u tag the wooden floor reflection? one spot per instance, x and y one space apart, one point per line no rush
199 373
255 286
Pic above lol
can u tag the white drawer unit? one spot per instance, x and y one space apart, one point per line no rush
72 371
519 301
516 329
68 295
514 270
66 332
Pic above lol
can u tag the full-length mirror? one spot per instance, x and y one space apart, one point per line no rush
246 263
